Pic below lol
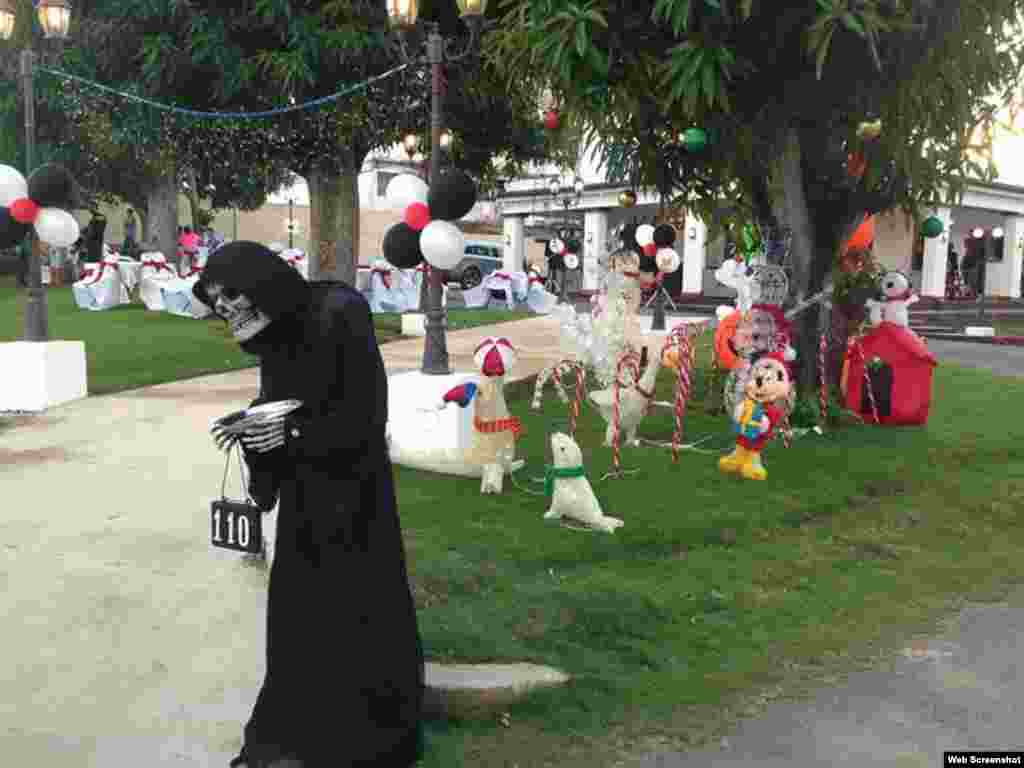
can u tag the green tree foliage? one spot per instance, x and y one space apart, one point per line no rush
780 88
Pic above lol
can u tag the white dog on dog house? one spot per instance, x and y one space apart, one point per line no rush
571 495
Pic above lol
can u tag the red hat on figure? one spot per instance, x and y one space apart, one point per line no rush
494 356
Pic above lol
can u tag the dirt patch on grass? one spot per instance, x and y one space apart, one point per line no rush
10 459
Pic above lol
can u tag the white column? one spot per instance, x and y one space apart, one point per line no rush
933 271
695 254
595 238
514 253
1013 253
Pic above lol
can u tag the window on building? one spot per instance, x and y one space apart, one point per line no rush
383 179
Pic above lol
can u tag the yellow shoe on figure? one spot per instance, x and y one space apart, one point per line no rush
753 469
734 461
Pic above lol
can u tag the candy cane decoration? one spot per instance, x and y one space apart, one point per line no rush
631 361
680 339
867 381
823 393
581 375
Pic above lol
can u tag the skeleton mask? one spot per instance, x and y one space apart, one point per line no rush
244 317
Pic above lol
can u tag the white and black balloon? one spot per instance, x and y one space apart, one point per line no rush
452 196
442 244
41 200
402 246
405 189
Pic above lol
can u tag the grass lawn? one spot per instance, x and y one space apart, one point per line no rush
719 594
1011 327
129 347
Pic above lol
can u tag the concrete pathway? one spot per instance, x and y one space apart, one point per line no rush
127 639
963 690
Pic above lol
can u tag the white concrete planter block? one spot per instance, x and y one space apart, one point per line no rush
414 324
670 323
979 330
41 374
422 438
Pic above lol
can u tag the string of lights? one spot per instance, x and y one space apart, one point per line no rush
314 104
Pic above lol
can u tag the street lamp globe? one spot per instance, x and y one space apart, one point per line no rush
578 186
472 8
55 18
446 140
403 13
411 143
8 15
554 187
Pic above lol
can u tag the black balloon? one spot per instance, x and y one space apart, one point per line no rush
648 264
11 232
51 186
402 246
452 196
664 235
629 236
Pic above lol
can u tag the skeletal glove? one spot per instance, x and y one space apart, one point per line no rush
224 437
264 437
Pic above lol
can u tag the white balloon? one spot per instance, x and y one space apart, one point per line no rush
406 189
667 259
12 185
644 235
57 227
442 244
571 260
556 246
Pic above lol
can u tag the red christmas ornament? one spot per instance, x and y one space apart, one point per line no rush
417 216
551 119
856 164
651 249
24 210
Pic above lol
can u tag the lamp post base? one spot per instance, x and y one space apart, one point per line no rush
658 321
435 347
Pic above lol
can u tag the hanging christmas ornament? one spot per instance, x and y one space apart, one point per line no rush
627 199
694 139
869 131
571 260
856 164
932 227
551 119
650 249
558 247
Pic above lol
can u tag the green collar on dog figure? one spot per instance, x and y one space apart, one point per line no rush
550 473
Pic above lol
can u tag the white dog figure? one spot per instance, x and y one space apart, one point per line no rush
571 494
898 298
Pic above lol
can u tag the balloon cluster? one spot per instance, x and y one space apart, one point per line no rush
40 201
427 232
567 253
654 246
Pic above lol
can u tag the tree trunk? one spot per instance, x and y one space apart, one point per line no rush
333 225
162 217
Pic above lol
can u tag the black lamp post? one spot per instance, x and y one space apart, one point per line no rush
567 200
55 19
291 223
403 16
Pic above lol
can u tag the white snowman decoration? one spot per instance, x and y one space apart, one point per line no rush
897 296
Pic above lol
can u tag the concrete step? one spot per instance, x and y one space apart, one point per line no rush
480 691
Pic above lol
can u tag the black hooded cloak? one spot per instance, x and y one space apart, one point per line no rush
344 675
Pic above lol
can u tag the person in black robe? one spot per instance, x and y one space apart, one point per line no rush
344 665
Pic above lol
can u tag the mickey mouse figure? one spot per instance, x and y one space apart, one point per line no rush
756 417
897 297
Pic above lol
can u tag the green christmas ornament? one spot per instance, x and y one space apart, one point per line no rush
694 139
932 227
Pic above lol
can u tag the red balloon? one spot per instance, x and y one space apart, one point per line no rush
24 210
651 249
863 237
417 216
551 119
856 164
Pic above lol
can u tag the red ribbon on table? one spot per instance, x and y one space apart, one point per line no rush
385 276
501 275
157 265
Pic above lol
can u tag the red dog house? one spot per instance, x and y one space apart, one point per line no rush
902 384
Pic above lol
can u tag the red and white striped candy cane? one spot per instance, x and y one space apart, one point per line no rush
823 393
867 382
632 361
680 340
581 374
